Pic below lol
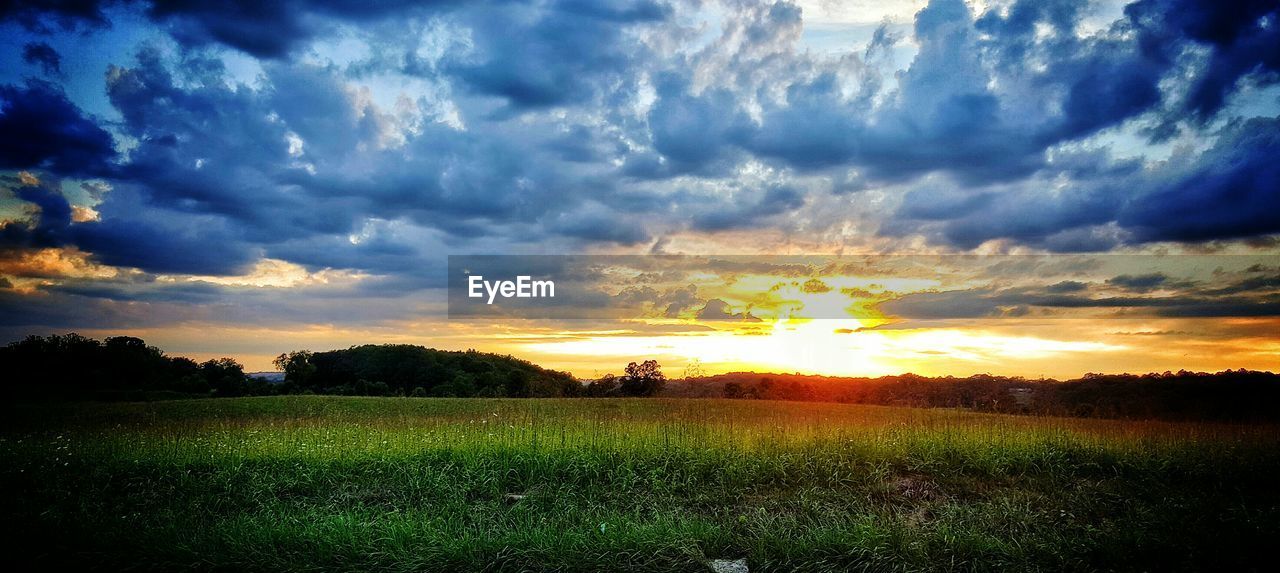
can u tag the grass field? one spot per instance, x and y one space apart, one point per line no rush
404 484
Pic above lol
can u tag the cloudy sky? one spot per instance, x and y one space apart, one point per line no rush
244 178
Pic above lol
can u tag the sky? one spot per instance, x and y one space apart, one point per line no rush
1038 188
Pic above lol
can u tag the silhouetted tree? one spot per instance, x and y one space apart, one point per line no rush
297 367
225 377
643 379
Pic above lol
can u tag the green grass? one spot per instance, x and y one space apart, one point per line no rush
395 484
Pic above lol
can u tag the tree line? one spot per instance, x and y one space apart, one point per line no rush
1230 395
72 366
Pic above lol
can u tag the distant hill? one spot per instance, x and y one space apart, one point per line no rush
403 369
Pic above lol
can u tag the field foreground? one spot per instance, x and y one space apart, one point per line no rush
403 484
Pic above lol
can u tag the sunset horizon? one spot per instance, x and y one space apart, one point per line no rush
1030 315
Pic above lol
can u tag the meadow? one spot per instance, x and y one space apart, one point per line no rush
311 483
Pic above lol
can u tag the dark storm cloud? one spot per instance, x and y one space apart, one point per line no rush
773 200
263 29
207 148
1250 284
602 227
969 104
1185 299
188 293
944 115
693 135
813 130
533 53
1244 37
938 203
141 239
1066 287
20 313
269 171
1109 79
1116 76
49 227
205 247
43 16
43 55
41 129
1105 79
1231 191
537 56
1030 212
1140 283
1227 192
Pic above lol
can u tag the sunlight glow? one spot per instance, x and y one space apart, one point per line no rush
831 347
